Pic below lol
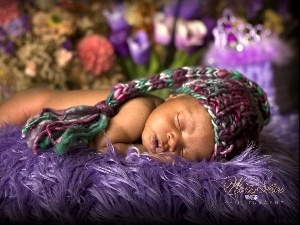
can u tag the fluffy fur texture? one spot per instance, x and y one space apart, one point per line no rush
83 187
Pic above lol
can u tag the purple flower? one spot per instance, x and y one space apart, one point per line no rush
190 35
115 17
2 34
282 7
186 9
210 24
139 47
18 26
9 47
67 45
119 41
2 47
253 8
163 26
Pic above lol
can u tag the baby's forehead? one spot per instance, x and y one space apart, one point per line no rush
179 96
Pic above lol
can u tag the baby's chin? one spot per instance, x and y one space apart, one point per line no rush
164 157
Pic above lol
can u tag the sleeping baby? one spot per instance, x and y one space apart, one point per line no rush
212 114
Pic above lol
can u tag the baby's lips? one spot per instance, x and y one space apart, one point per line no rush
158 150
155 147
153 144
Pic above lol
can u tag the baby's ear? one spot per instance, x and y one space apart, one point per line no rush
173 96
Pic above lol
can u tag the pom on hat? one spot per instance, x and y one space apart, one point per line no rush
238 107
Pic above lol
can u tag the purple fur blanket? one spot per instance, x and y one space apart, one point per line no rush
83 187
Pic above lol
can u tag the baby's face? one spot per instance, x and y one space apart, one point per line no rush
181 126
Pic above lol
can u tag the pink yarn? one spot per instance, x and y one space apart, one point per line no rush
96 54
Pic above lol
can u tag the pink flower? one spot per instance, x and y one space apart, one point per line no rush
96 53
30 68
9 10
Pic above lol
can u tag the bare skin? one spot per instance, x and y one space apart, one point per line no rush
179 125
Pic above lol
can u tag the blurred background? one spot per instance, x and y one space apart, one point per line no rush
94 44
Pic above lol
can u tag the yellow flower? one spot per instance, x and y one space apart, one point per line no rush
273 21
53 25
140 15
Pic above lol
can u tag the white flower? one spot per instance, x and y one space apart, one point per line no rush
190 33
30 69
63 56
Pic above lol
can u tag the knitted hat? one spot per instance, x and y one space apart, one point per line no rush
238 107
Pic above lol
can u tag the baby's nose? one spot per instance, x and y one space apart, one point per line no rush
173 141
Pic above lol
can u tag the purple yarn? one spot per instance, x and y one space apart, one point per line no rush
85 187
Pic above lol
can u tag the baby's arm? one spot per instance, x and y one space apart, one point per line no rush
21 105
126 127
25 104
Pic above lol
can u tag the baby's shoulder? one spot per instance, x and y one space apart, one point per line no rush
136 110
144 102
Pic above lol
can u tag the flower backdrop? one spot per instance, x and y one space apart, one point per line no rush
89 44
148 40
54 44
